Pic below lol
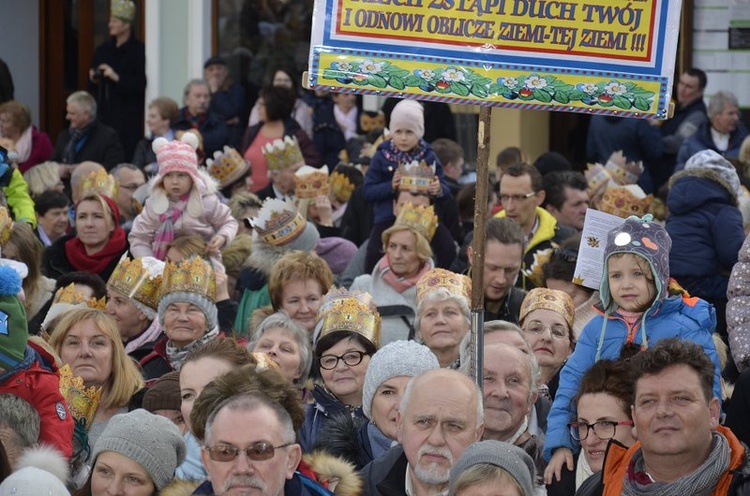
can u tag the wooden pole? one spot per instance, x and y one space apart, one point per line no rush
477 262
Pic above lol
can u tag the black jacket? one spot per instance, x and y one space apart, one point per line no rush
55 261
102 145
386 475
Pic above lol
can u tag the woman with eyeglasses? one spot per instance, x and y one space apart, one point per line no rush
546 319
349 336
603 405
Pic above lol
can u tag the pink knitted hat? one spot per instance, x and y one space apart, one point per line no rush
178 156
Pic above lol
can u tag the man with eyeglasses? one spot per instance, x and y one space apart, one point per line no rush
129 179
522 194
681 447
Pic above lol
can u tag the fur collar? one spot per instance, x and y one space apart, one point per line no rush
340 475
709 174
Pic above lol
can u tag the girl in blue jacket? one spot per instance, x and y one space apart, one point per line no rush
637 309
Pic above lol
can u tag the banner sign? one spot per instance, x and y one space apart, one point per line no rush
596 56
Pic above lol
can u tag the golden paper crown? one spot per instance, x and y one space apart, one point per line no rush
99 182
421 218
192 275
123 10
534 272
598 178
622 171
416 177
227 166
343 310
548 299
341 187
623 202
278 222
82 401
282 154
6 226
71 296
139 280
310 182
441 278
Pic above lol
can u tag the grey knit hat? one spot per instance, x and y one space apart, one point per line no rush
508 457
32 481
152 441
398 358
709 159
207 306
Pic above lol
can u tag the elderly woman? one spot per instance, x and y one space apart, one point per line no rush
349 336
136 455
287 344
603 404
389 372
546 318
33 147
393 282
97 244
87 340
443 316
187 313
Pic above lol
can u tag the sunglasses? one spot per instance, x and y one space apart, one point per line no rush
257 452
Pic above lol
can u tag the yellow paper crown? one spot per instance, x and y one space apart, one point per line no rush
310 182
71 296
99 182
139 280
416 177
82 401
548 299
421 218
622 202
622 171
343 310
441 278
278 222
6 226
341 187
123 10
282 154
227 166
193 275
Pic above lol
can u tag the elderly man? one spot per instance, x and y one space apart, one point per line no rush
86 139
440 415
510 391
196 115
522 194
681 447
723 133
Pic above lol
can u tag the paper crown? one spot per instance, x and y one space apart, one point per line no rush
123 10
139 279
341 187
422 219
624 201
82 401
441 278
278 222
100 183
354 311
622 171
71 296
548 299
6 226
416 177
227 166
282 154
192 275
598 179
310 182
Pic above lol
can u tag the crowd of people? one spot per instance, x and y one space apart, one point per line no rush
274 297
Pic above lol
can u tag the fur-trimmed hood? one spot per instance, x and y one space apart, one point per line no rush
339 475
180 488
206 186
703 174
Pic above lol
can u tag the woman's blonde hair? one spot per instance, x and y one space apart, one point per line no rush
423 248
125 379
29 252
42 177
108 213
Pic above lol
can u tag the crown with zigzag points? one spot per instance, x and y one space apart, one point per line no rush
281 154
193 275
139 279
227 166
416 177
310 182
344 310
99 182
82 401
420 218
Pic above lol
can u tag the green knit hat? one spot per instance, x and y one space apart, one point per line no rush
14 332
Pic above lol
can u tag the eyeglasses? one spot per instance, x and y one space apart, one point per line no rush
558 331
351 358
604 429
516 198
257 452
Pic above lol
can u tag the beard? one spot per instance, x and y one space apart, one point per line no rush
433 474
245 480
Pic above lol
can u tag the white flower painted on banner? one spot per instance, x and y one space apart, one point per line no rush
535 82
344 67
370 66
615 88
588 88
508 82
426 74
453 75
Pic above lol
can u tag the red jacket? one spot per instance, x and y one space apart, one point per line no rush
37 381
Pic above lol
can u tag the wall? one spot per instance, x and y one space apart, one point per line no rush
19 40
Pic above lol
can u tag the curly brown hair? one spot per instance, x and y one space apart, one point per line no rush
609 377
298 266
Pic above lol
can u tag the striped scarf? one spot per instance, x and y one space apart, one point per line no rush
165 234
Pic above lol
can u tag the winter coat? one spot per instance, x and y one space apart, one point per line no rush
17 197
345 436
734 482
738 308
37 381
603 338
231 104
41 150
738 408
386 476
327 135
212 127
706 230
319 414
101 145
55 261
702 140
